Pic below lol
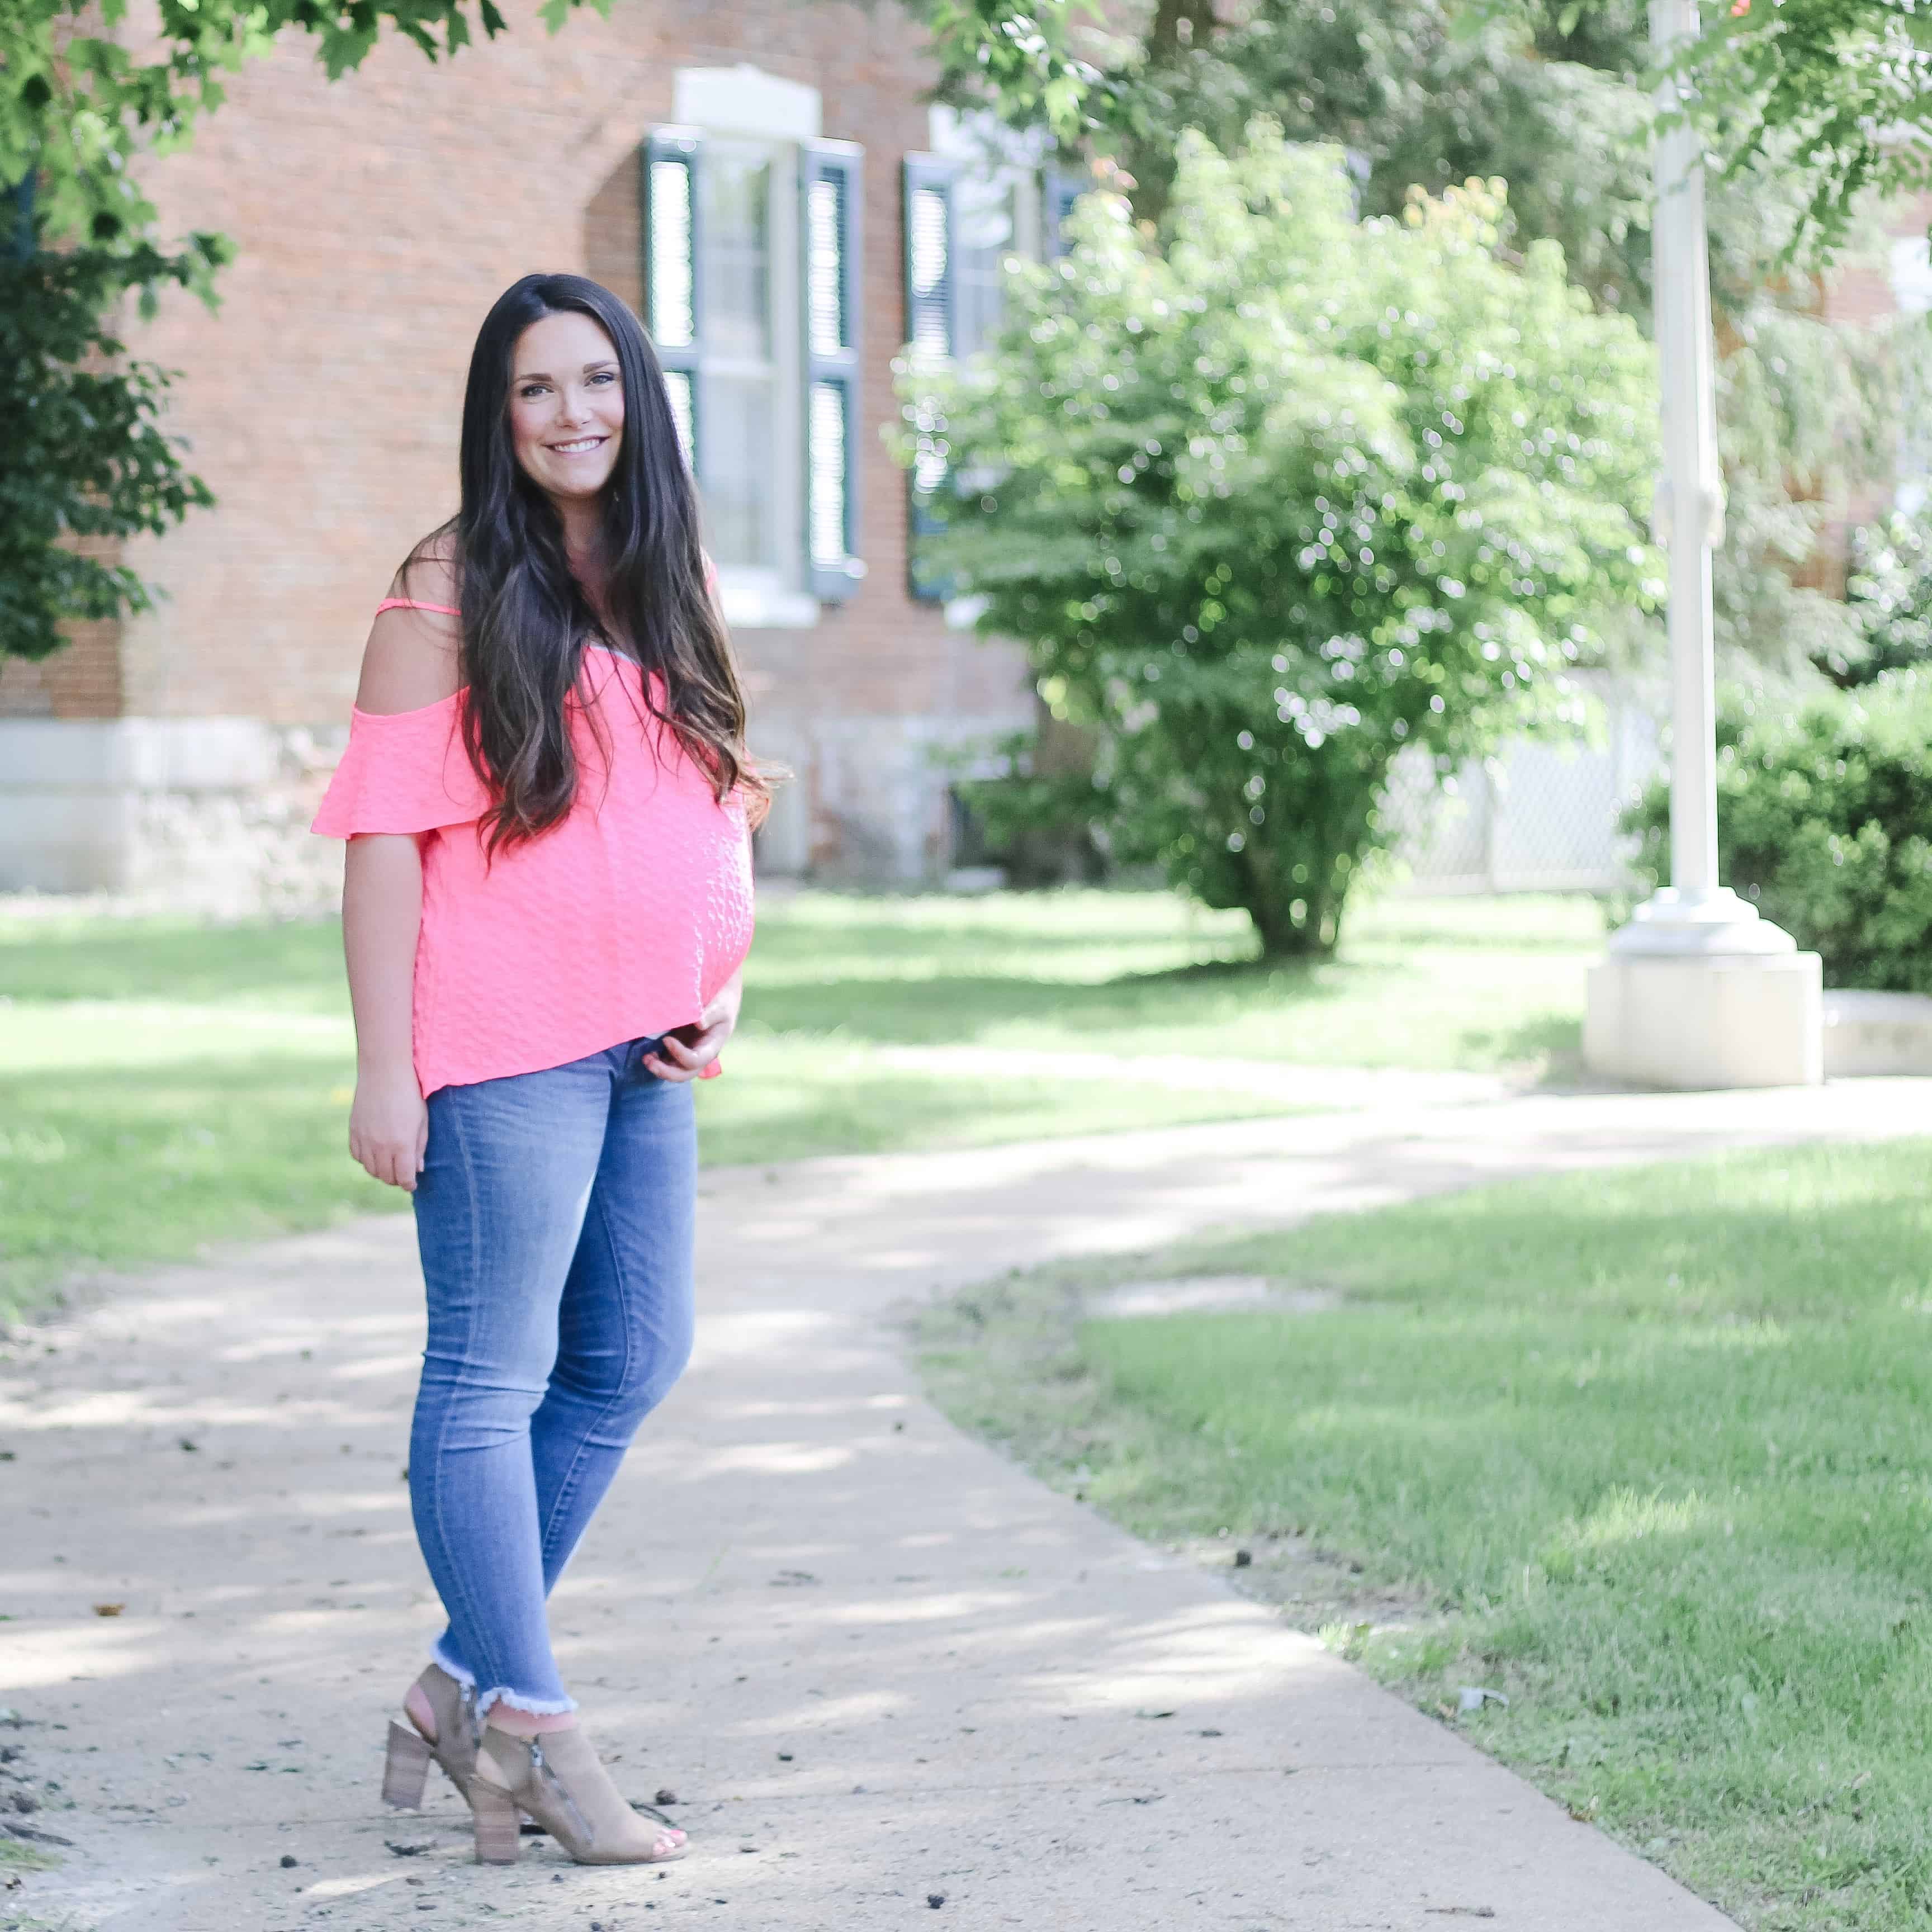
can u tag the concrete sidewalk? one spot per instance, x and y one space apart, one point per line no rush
877 1663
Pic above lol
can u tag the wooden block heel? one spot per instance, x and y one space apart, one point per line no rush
405 1768
557 1780
499 1826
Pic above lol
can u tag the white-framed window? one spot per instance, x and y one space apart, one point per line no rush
1911 279
969 205
752 288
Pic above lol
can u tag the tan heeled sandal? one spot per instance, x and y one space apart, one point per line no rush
406 1766
557 1780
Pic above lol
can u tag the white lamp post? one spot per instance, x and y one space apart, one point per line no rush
1697 991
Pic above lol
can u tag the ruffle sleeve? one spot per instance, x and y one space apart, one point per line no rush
404 771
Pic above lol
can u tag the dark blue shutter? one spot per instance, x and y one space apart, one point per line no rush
931 307
1059 191
831 218
673 292
931 242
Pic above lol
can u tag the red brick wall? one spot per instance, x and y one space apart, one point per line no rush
1859 293
83 679
377 219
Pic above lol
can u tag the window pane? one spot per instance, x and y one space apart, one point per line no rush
827 482
825 243
984 211
672 319
735 236
677 392
931 330
736 463
928 469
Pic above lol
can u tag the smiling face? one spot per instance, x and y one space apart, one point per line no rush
566 406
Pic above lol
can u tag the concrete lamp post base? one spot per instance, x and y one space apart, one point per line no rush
1698 992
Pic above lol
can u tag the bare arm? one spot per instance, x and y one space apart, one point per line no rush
381 913
411 661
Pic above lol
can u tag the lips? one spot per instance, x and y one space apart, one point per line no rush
581 446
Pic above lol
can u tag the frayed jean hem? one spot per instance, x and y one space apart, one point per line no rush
534 1707
531 1707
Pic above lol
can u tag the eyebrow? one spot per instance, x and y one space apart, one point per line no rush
544 376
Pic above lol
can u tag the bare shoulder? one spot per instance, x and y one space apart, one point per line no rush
430 574
413 657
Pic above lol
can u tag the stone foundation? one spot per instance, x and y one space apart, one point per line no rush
867 803
206 815
212 814
1877 1034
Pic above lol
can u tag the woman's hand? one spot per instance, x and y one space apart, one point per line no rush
679 1057
388 1126
381 913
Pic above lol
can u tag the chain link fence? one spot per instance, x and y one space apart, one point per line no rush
1539 817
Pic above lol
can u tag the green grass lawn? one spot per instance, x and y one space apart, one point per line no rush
162 1084
1649 1451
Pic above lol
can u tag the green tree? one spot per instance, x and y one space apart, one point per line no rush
86 459
1555 96
1271 493
83 103
85 100
1838 91
1889 591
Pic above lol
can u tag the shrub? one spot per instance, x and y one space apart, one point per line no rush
1888 594
88 458
1823 810
1272 492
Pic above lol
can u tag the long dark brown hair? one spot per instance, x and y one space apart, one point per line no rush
526 619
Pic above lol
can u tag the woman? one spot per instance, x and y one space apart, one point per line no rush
546 905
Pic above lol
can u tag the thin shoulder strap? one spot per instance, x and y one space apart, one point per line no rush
410 603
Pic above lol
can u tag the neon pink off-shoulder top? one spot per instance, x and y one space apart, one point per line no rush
621 922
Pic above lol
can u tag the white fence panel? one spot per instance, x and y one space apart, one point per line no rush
1539 817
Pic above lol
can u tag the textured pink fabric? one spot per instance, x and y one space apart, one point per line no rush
621 921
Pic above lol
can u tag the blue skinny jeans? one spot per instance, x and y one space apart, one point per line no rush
553 1215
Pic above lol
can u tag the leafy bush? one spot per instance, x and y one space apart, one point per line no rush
88 461
1272 492
1888 594
1033 809
1823 811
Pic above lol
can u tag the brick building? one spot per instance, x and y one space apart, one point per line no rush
761 181
1888 277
